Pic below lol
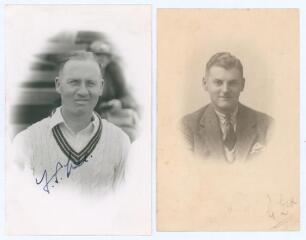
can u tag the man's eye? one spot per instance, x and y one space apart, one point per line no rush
218 82
73 82
91 84
234 83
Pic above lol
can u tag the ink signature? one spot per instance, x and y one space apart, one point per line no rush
280 210
69 166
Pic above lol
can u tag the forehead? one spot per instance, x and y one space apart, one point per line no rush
217 72
81 69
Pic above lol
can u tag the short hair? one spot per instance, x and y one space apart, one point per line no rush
225 60
79 55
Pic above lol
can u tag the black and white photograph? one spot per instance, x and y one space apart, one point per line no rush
78 119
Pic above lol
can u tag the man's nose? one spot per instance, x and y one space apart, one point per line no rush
225 87
82 90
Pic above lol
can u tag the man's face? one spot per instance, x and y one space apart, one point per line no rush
80 86
224 87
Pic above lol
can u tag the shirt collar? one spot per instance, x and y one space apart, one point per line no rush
57 118
222 116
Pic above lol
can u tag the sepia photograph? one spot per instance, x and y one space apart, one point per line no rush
225 129
78 127
228 120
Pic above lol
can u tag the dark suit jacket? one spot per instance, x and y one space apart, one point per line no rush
203 133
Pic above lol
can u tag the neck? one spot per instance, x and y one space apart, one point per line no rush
76 122
226 111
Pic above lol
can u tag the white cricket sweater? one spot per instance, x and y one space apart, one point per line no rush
37 148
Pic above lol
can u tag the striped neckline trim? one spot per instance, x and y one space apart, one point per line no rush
77 157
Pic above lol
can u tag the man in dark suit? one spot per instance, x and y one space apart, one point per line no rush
225 129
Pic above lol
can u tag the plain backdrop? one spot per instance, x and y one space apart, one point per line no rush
194 195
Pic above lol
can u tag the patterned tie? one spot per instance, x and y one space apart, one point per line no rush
230 136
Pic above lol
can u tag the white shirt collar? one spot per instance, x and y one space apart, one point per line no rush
222 116
57 118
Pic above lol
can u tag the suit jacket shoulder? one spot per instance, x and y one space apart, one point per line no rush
263 121
190 124
192 120
203 135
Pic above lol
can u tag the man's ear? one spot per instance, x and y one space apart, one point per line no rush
242 84
204 81
101 87
57 85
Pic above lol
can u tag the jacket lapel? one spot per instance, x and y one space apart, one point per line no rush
209 137
246 132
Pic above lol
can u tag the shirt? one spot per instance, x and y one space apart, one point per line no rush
229 154
77 140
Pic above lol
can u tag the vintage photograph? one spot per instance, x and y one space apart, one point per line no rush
73 126
228 133
226 129
78 120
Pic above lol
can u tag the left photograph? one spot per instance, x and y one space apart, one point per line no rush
78 120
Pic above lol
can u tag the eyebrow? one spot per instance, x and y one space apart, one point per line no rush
73 79
231 80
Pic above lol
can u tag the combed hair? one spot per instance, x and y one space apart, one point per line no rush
225 60
80 55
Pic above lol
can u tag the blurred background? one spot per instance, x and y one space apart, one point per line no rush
34 38
37 92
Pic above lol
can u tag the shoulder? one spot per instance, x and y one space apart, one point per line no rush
192 120
260 117
26 141
114 133
189 125
117 142
31 132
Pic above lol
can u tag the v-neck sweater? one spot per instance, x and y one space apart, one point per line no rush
37 148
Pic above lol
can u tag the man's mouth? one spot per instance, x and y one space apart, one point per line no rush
81 100
225 98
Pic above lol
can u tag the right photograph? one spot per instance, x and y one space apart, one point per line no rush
228 120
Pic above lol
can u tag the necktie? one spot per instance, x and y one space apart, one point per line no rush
230 136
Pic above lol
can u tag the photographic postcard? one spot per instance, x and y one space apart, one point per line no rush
228 120
78 127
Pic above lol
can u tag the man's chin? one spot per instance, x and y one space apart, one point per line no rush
226 107
83 110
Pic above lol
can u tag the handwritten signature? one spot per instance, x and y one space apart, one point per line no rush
69 166
280 209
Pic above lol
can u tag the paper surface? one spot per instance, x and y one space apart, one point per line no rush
31 211
262 194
